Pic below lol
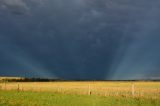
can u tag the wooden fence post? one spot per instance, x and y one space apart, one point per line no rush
5 86
133 90
18 88
59 89
89 89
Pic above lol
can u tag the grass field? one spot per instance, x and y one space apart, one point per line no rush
91 93
29 98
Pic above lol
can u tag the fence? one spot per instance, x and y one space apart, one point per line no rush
128 89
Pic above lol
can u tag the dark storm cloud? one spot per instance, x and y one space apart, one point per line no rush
80 39
17 7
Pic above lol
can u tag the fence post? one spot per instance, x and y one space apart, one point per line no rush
59 89
18 88
89 89
105 94
133 90
5 86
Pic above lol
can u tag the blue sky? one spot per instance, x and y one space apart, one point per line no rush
80 39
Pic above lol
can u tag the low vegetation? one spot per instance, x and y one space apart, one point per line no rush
80 93
29 98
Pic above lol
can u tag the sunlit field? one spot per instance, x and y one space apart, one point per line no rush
137 89
80 93
29 98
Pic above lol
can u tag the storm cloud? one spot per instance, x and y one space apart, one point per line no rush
80 39
17 7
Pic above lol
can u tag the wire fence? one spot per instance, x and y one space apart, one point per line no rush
124 89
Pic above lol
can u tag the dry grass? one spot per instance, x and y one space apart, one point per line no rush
8 78
141 89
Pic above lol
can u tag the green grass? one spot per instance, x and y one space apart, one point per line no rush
29 98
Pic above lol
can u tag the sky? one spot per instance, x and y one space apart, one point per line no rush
80 39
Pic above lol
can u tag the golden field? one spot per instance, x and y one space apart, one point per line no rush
102 88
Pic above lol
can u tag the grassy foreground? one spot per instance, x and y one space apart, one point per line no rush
79 93
30 98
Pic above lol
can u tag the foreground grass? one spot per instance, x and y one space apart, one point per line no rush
30 98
